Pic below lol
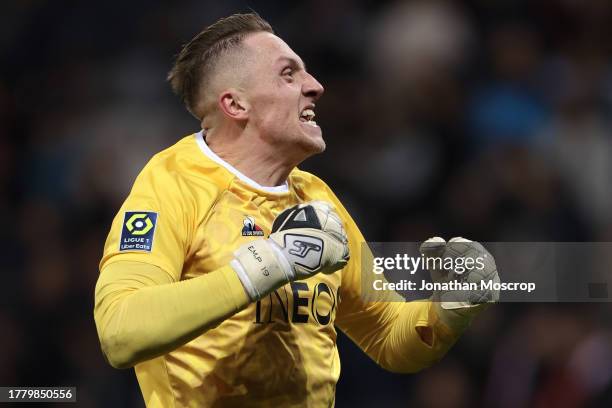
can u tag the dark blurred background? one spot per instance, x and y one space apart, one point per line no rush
486 119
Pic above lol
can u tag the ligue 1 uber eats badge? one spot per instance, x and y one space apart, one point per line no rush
138 230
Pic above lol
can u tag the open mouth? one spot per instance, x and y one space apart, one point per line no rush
307 116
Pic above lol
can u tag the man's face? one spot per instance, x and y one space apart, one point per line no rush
282 96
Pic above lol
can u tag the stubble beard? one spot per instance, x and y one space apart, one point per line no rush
311 145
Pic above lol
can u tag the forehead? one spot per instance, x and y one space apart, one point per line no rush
271 48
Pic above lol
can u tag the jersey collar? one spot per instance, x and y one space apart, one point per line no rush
199 136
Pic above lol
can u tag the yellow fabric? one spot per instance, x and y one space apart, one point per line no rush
386 331
142 313
280 351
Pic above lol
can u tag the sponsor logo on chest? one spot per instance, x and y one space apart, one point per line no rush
312 302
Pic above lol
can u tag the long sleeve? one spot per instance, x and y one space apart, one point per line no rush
400 336
141 312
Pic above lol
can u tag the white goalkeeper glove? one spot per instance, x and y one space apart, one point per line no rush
306 239
457 308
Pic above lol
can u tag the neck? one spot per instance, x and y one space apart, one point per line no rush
251 156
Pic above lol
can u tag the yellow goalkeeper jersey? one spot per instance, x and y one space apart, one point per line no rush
187 212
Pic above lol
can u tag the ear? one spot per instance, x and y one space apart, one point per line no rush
233 105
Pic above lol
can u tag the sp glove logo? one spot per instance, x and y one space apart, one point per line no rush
301 248
306 250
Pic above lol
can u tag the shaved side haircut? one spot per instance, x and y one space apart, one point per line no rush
196 63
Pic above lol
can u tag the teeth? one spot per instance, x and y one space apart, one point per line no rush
307 114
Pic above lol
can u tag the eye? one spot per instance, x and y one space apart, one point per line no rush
288 73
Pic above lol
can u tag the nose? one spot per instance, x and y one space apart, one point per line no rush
312 88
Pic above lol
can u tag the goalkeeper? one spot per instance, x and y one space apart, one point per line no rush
221 276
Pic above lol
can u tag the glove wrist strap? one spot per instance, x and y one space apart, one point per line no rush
259 268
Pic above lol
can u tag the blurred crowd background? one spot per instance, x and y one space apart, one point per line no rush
486 119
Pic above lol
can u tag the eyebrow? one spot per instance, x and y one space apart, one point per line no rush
294 62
